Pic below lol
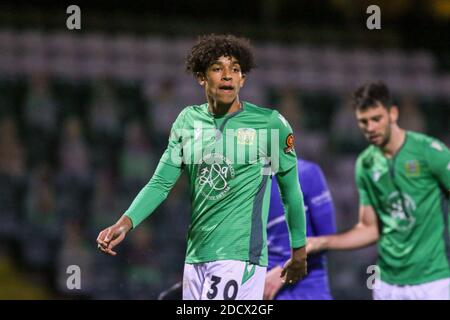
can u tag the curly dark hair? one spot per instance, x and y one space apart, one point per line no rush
211 47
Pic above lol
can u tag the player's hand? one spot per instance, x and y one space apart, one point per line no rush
110 237
314 244
295 268
273 283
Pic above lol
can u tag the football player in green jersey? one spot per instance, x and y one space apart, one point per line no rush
229 150
403 180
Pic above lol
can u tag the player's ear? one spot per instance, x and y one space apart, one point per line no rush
242 81
201 78
393 113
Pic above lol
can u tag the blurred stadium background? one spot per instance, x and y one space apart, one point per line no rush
85 115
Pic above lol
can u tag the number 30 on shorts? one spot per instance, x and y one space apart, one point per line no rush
230 289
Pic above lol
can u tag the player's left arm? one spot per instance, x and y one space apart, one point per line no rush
437 155
292 198
291 195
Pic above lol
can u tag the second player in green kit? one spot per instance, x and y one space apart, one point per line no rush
403 180
408 192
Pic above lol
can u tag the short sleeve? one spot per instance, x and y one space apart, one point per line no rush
283 156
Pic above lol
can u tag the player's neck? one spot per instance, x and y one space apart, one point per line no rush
395 143
221 109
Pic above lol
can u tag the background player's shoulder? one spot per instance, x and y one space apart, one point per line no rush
418 136
366 158
308 170
424 143
421 138
305 166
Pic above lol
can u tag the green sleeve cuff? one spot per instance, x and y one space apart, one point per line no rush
298 243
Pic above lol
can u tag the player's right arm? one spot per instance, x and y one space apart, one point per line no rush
152 195
148 199
363 234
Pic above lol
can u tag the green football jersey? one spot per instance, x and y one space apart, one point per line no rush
229 161
409 194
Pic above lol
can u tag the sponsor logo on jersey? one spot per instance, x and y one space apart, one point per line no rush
401 208
214 173
246 136
289 143
412 168
436 145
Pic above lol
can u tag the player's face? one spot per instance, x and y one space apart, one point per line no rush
375 123
223 80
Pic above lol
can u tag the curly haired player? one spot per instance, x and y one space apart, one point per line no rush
230 150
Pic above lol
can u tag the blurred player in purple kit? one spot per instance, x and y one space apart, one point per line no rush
319 221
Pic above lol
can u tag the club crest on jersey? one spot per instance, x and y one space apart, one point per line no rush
246 136
214 174
412 168
289 143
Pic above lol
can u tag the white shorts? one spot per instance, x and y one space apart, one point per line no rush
223 280
434 290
